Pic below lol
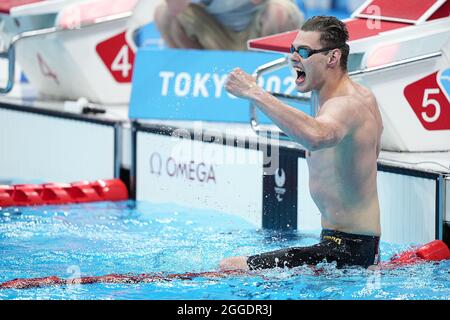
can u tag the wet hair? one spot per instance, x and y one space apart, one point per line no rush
333 33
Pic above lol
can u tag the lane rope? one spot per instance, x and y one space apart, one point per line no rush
435 250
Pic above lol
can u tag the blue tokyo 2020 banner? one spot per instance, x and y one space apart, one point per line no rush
179 84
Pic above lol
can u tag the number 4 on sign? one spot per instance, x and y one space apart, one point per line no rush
117 57
121 62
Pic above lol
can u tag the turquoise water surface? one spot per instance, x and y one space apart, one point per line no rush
139 237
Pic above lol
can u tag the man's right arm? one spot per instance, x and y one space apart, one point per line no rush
337 118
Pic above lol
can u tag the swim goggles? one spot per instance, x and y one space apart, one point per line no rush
305 52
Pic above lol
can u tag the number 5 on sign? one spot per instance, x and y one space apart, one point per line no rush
118 57
427 102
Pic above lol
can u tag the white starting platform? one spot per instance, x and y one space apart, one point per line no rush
87 40
185 141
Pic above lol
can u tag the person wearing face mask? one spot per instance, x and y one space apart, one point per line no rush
223 24
342 142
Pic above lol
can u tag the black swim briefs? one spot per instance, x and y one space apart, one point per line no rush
343 248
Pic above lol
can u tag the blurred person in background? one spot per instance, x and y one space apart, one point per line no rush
224 24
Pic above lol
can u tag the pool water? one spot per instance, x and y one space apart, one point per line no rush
140 237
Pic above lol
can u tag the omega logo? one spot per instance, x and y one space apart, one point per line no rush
190 170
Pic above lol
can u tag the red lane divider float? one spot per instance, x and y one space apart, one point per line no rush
62 193
434 251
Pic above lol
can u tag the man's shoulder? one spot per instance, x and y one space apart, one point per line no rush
352 110
362 95
345 102
355 100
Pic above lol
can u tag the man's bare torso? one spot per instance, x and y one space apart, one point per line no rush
343 178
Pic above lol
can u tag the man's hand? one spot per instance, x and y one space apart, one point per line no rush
241 84
234 263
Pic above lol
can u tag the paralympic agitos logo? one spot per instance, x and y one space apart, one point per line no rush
188 170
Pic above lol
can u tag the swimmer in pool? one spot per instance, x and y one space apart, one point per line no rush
342 142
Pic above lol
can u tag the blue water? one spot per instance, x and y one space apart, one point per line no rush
139 237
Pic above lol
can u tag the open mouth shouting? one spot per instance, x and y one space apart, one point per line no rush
301 75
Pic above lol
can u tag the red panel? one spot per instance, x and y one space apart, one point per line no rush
278 43
362 28
357 28
442 12
7 5
401 9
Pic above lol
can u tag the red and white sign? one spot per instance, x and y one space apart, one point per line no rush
429 102
118 57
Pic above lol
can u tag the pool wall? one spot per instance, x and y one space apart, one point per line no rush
168 171
54 146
